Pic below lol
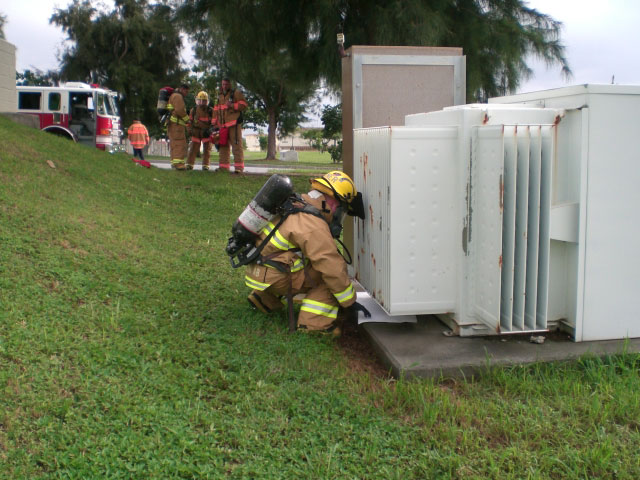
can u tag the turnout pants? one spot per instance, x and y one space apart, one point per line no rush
195 147
234 145
319 310
177 143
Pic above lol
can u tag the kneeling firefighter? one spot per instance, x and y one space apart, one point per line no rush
293 250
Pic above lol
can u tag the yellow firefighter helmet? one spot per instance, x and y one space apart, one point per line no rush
337 184
202 98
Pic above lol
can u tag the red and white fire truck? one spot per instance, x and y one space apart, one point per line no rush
84 113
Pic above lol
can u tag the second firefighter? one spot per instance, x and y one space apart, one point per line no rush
200 118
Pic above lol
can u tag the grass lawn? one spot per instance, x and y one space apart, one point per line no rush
304 158
128 350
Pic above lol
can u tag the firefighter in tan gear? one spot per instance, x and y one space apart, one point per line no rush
200 118
302 257
176 129
228 118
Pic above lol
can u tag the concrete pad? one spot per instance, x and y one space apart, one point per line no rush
423 350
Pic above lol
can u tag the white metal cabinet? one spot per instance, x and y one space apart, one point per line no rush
404 256
516 216
596 193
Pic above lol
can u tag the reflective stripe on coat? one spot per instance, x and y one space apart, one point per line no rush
311 235
138 135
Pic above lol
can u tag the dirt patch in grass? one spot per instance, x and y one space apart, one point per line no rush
360 354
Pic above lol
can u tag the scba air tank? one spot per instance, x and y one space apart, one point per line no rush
260 211
163 100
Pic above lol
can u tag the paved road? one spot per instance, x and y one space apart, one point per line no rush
247 169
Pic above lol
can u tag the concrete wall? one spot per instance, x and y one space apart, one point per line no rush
7 77
24 118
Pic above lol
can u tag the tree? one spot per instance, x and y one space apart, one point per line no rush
278 50
498 39
497 36
332 121
269 47
38 78
320 138
314 137
134 49
262 139
328 138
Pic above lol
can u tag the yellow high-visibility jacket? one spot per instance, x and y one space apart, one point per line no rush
138 134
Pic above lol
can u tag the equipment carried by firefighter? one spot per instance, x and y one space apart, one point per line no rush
261 210
214 135
276 197
142 163
163 100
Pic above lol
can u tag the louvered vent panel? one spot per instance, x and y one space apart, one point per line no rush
511 201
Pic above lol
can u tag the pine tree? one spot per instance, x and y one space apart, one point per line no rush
133 49
280 49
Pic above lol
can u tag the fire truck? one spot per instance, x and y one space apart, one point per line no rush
84 113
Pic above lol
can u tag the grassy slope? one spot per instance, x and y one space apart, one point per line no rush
127 351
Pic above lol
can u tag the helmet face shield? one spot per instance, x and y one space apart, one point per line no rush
341 187
202 98
336 220
355 208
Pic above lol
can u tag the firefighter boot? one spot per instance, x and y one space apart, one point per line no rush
348 321
334 329
264 301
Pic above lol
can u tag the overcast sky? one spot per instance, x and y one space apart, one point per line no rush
602 38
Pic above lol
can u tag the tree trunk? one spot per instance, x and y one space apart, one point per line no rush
271 134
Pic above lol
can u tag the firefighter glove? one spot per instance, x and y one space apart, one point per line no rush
357 307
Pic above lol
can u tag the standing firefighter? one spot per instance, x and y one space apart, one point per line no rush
176 129
296 253
200 117
228 118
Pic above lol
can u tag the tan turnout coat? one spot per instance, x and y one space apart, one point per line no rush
318 270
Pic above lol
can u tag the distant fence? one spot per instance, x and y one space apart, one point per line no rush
158 148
